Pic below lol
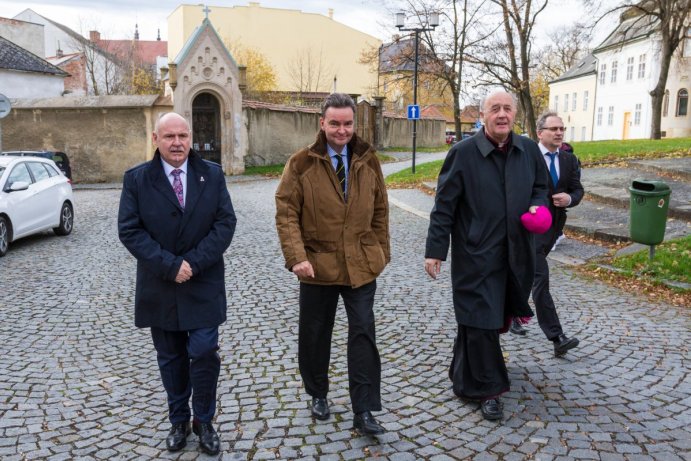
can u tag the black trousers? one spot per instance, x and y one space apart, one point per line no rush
545 309
317 316
189 364
478 370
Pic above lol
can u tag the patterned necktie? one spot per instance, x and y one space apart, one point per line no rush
177 187
340 172
553 168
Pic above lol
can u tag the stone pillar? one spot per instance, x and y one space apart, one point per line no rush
379 123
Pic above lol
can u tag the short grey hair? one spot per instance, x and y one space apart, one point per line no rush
542 121
489 95
338 101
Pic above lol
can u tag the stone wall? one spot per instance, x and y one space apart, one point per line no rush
104 136
101 140
398 132
275 132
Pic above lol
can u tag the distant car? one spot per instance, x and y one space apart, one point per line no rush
60 158
450 137
34 196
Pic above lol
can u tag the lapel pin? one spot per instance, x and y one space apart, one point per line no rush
201 179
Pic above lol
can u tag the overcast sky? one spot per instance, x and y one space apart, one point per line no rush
115 19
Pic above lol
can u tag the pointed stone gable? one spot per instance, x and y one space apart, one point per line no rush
206 59
204 65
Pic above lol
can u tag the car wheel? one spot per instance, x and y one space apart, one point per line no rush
66 220
4 236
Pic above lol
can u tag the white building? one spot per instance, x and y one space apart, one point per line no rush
627 67
60 40
572 96
25 75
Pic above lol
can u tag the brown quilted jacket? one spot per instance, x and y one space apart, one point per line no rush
346 243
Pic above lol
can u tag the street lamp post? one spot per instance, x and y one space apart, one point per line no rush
432 23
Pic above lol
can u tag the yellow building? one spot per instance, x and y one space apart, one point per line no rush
310 52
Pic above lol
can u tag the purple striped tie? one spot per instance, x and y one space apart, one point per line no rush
177 187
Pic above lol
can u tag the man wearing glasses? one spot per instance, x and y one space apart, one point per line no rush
566 191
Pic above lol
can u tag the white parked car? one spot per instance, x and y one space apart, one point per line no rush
34 196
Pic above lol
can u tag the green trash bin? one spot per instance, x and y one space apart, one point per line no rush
649 205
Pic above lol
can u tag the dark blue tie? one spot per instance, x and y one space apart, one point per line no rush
553 168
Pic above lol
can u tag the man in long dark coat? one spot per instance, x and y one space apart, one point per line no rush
486 183
177 219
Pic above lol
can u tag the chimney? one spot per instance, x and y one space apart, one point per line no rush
331 13
136 31
58 52
94 36
158 37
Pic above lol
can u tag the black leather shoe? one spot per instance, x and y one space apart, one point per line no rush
562 344
366 424
208 438
517 329
320 408
177 437
492 409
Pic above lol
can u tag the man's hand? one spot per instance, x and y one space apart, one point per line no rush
433 267
303 269
185 272
562 199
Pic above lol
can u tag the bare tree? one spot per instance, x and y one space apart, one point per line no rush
566 47
672 19
442 52
309 71
507 61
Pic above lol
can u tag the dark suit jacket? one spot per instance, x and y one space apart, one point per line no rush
156 230
569 182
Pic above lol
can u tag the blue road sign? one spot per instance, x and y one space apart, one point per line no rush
478 124
413 112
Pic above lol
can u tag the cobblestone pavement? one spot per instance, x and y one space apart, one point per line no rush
79 381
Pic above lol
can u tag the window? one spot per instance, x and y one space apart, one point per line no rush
610 116
556 103
637 114
629 68
566 103
573 134
599 116
603 73
613 79
641 66
19 173
573 102
682 103
38 171
665 104
585 100
687 44
51 170
582 133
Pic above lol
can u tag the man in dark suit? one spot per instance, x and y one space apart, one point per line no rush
486 183
177 219
566 191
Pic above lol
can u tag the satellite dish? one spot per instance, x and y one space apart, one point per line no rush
5 106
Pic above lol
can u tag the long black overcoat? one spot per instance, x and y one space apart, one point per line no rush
159 234
480 199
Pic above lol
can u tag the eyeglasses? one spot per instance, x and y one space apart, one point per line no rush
554 128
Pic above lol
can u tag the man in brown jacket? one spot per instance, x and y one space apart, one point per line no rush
332 217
